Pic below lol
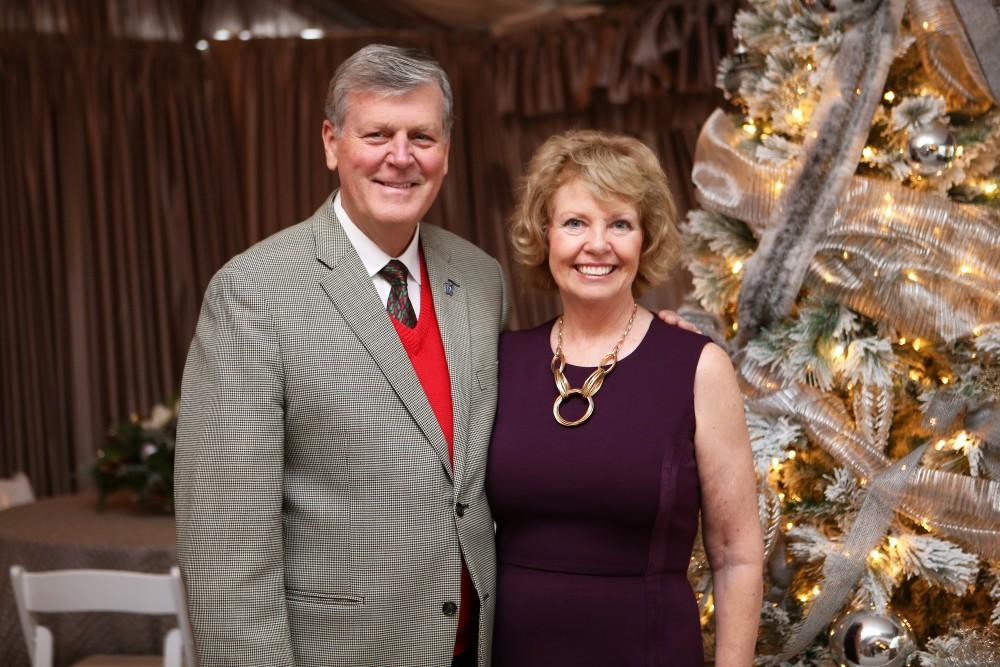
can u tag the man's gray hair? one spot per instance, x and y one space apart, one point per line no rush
392 70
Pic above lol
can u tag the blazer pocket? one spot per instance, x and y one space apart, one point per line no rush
487 375
337 599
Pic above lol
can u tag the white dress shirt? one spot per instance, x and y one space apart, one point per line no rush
374 258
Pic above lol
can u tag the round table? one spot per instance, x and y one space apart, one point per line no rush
68 532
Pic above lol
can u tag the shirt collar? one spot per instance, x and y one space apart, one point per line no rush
373 257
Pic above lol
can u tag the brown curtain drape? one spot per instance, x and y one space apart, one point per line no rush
133 170
115 197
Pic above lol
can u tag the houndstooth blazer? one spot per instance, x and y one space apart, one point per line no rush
316 506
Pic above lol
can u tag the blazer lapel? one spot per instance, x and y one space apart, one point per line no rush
350 288
451 307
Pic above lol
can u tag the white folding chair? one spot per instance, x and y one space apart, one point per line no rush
15 490
102 590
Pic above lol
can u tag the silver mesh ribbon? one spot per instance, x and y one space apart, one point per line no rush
922 263
964 508
967 509
821 416
846 563
958 46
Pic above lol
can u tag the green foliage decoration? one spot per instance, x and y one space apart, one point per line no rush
138 458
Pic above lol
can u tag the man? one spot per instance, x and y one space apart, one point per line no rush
336 409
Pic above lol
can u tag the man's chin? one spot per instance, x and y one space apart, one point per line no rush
398 215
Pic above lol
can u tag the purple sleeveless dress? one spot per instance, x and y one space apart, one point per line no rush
596 522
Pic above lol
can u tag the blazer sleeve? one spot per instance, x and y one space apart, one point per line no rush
504 303
228 479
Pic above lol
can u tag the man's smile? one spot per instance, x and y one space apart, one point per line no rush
404 185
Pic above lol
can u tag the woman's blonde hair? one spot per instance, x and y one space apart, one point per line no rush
613 167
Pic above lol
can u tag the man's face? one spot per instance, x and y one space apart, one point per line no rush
391 156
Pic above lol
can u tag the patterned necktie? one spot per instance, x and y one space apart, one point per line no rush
399 305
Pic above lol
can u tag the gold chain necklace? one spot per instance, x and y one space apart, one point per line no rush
593 383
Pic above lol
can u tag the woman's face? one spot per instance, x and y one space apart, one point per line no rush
594 244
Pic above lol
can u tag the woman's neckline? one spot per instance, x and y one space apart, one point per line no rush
645 334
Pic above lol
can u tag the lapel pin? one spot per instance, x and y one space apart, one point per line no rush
449 286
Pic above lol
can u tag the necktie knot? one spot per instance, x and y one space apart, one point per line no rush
398 304
394 272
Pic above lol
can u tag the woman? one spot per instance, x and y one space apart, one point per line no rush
597 494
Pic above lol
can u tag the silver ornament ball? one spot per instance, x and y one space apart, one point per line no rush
931 148
859 637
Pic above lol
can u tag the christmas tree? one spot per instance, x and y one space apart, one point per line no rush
847 253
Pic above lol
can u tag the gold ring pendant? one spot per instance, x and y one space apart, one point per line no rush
558 404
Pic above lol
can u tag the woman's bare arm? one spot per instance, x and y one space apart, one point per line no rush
730 525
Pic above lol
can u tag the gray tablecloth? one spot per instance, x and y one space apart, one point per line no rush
68 533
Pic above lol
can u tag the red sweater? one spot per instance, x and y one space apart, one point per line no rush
426 351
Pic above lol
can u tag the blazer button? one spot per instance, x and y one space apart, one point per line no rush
460 509
449 608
